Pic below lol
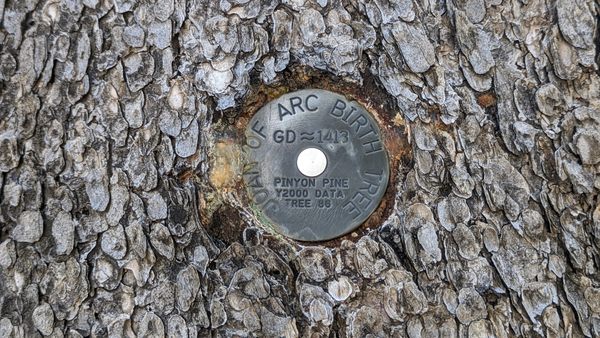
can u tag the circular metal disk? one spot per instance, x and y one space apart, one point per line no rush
317 167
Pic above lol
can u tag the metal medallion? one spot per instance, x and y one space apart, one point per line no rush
317 164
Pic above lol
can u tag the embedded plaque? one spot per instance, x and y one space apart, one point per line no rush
317 166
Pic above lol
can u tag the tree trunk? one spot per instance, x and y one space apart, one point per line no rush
122 206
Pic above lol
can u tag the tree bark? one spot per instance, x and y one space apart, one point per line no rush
123 212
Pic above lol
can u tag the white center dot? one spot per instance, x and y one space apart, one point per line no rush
311 162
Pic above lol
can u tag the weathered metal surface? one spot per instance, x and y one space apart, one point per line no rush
353 181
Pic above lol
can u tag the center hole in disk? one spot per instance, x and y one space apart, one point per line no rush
311 162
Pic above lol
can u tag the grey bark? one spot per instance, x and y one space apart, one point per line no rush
114 221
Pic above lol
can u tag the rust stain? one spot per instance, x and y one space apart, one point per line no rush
393 127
